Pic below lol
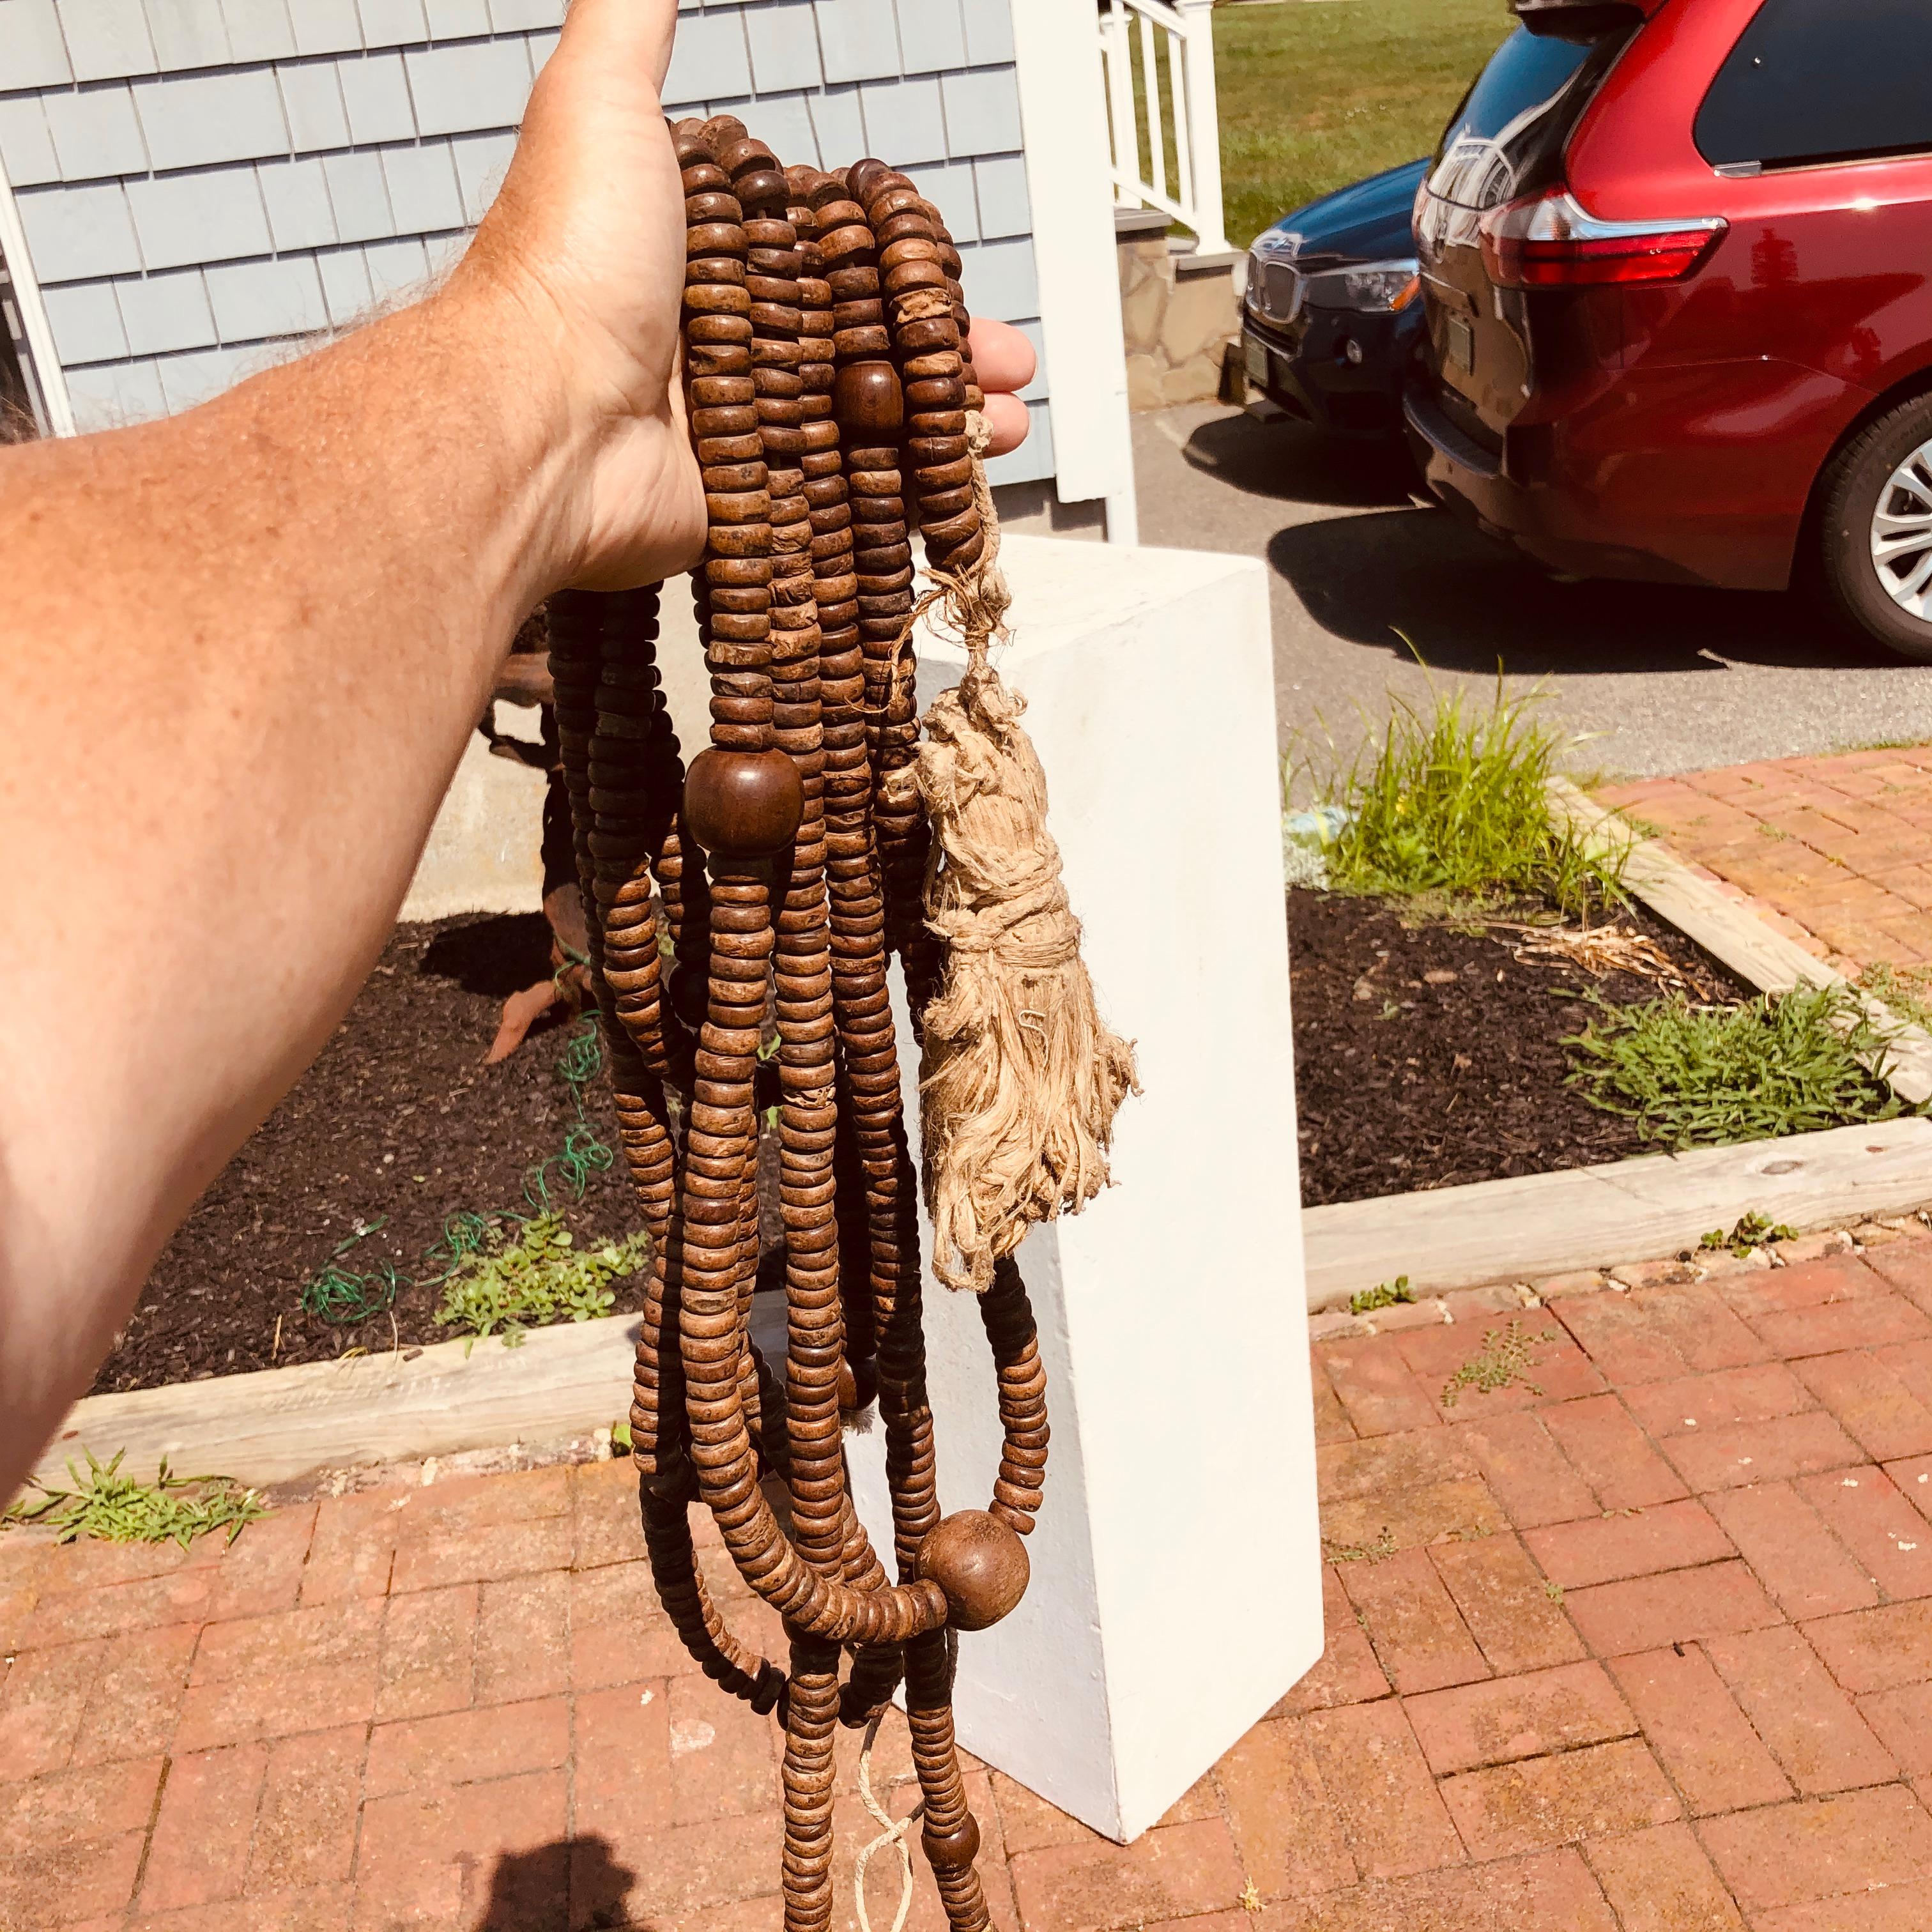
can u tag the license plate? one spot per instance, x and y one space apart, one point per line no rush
1258 362
1459 348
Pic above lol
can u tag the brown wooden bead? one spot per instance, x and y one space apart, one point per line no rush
948 1851
867 399
743 805
980 1564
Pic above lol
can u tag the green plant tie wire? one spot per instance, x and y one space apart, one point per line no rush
341 1297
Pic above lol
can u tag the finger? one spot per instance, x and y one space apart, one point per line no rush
623 36
1007 420
1003 358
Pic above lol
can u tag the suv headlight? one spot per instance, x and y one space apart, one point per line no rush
1375 287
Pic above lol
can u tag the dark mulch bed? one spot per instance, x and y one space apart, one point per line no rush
1422 1084
399 1116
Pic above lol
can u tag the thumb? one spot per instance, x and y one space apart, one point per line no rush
627 36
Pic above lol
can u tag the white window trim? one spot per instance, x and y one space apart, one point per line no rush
47 375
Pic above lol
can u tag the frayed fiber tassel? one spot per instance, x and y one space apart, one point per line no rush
1020 1078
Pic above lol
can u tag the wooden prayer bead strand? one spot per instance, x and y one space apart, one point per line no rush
948 1833
1007 1316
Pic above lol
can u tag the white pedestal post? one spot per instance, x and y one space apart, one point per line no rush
1176 1590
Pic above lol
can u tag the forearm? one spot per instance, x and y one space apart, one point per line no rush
229 739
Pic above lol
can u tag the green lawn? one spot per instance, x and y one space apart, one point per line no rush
1315 93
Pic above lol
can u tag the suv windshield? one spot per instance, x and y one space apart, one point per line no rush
1507 137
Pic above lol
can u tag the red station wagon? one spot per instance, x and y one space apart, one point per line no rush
1677 261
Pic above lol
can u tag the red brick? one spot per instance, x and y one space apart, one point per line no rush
521 1653
1912 1478
1881 1649
1385 1466
501 1501
1419 1638
1822 1307
207 1817
1646 1612
308 1908
462 1747
1512 1718
1502 1595
1699 1734
618 1634
1375 1387
1905 1265
1818 1848
1552 1891
305 1833
1659 1334
1808 1721
488 1854
137 1698
1331 1419
1558 1370
66 1882
622 1759
1410 1518
84 1807
1659 1881
1553 1800
697 1878
1610 1453
1797 1558
69 1615
1174 1871
486 1554
262 1570
1761 1452
1760 1392
1607 1548
1902 1721
1880 1414
1528 1473
1376 1777
723 1756
1288 1833
289 1640
352 1547
44 1697
1347 1673
237 1709
1886 1534
604 1509
428 1660
1898 1908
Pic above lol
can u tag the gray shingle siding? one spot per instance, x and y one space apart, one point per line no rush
204 183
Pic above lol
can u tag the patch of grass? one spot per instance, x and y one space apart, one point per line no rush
1504 1359
1906 991
1379 1551
114 1508
1453 804
520 1282
1384 1294
1693 1076
1752 1231
1314 97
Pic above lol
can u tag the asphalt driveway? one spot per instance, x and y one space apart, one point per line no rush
1665 680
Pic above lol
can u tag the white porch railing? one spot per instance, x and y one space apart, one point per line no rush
1167 157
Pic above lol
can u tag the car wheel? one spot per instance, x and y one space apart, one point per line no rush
1874 554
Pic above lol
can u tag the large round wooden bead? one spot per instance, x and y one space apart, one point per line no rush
868 400
954 1849
743 805
981 1565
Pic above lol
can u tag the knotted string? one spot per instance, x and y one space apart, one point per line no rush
894 1834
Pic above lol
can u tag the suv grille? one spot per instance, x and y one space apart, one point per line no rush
1281 291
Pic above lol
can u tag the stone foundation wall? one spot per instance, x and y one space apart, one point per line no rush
1180 312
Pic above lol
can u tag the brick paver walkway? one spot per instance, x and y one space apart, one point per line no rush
1646 1645
1839 849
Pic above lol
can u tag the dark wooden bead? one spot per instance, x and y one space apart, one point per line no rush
744 806
951 1850
863 178
978 1562
867 399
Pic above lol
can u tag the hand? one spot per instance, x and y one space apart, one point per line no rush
583 252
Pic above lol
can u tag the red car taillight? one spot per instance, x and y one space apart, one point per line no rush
1551 242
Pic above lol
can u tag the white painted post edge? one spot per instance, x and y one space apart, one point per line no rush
1204 121
1064 129
47 374
1181 1497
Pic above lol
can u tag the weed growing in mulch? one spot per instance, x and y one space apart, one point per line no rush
1783 1064
114 1508
520 1282
1453 803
